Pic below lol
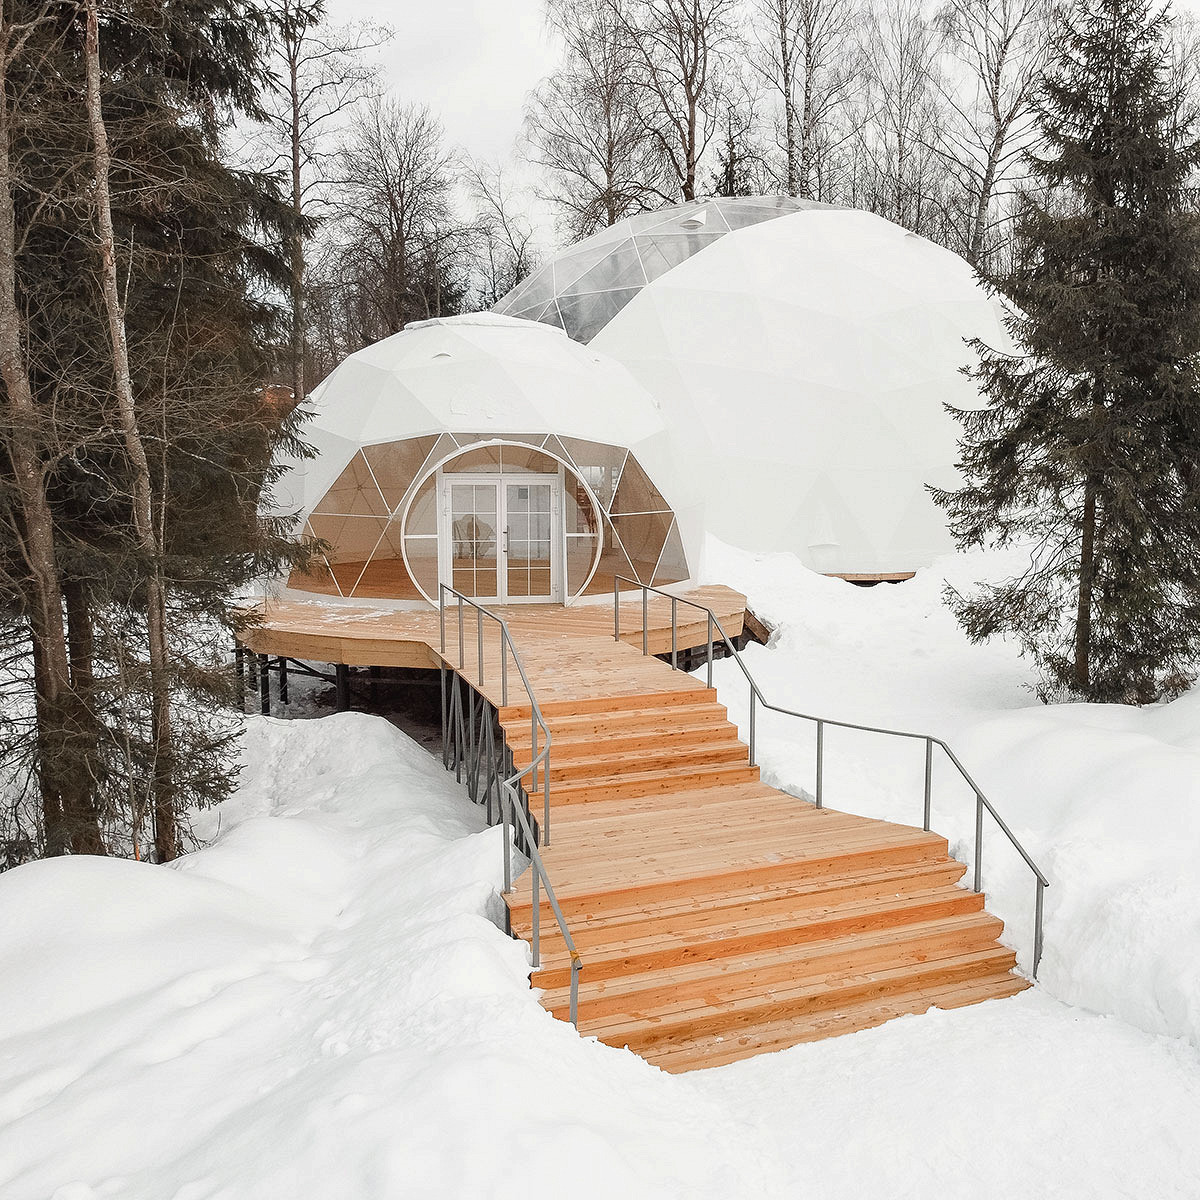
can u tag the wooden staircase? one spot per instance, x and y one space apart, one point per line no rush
719 918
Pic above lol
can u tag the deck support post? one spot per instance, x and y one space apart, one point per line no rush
472 749
283 679
264 684
239 666
341 674
445 720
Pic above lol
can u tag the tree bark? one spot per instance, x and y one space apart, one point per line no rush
69 822
1087 575
297 247
166 834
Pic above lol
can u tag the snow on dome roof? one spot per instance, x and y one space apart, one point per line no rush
804 363
483 374
584 287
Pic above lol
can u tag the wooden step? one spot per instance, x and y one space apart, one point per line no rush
592 746
629 722
675 697
667 942
688 989
746 1039
648 783
670 877
804 894
665 757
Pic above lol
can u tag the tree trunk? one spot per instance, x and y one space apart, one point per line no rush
166 836
786 84
69 823
297 248
1087 574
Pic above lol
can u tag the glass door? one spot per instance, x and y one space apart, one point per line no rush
529 540
473 539
501 537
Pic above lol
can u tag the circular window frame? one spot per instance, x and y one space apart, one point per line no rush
432 471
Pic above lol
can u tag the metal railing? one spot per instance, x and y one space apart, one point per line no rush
513 811
757 698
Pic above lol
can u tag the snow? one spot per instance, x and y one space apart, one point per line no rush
1105 798
320 1003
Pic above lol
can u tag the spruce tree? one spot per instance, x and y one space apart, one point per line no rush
1088 448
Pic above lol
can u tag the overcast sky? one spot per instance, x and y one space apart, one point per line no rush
471 61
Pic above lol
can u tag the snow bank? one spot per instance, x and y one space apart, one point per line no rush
1106 798
319 1005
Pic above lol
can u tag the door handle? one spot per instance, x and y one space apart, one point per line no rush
506 540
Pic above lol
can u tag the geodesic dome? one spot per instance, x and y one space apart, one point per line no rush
552 453
802 366
584 287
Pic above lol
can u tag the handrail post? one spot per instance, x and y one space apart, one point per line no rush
503 666
576 967
546 795
462 656
928 782
479 635
979 841
645 620
1037 926
442 616
820 764
616 607
674 634
505 801
533 749
536 915
710 648
753 694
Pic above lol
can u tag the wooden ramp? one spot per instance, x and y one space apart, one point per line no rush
717 917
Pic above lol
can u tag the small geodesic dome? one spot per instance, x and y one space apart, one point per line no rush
584 287
802 365
489 453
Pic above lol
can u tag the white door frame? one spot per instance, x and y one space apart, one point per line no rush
502 482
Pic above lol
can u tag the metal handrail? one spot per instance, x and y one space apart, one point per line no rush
757 697
510 788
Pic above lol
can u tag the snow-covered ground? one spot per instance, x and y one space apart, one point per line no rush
1106 798
319 1006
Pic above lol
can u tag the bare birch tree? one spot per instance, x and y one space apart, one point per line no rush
166 834
997 50
323 75
808 57
680 51
903 176
583 127
505 251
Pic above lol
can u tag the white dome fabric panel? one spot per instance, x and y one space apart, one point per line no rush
802 366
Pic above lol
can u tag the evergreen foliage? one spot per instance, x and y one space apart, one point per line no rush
198 255
1089 446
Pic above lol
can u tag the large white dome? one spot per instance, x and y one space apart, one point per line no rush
802 366
492 452
476 374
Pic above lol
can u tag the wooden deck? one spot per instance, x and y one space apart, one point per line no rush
716 917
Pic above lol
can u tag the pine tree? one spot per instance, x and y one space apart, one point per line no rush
1089 445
